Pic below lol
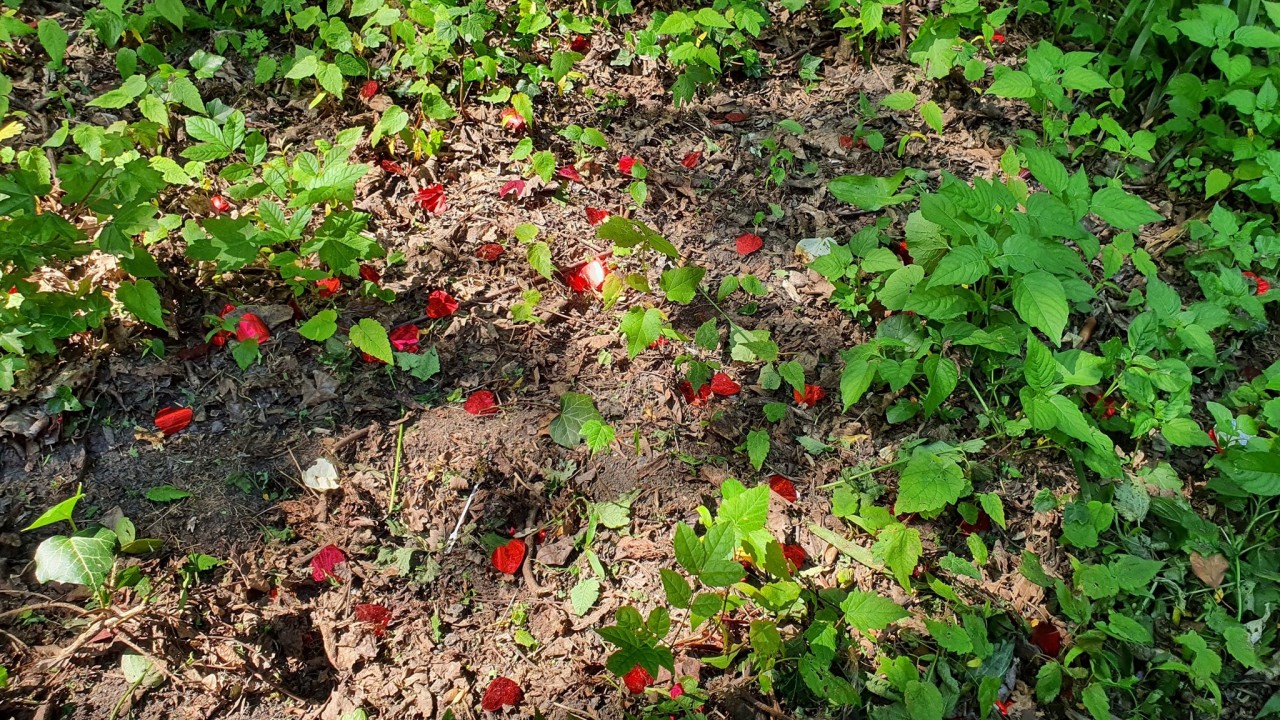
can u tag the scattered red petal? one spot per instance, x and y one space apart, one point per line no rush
371 359
595 216
783 486
1213 435
749 243
512 120
370 273
1003 707
586 276
795 555
580 44
432 199
440 304
997 36
722 384
980 524
812 394
391 167
1263 285
490 252
660 342
328 287
626 164
404 338
698 399
368 89
501 691
219 204
172 420
900 249
691 159
676 691
481 402
1048 638
375 615
251 327
507 558
569 172
846 142
324 561
637 680
512 187
735 117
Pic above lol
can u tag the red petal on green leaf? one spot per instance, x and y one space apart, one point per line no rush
512 120
626 164
722 384
328 287
783 487
501 692
371 359
507 558
637 680
490 252
997 36
323 563
481 402
172 420
440 304
812 394
432 199
749 243
676 691
691 159
405 338
569 172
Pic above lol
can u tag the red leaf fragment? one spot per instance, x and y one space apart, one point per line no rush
900 249
1263 285
391 167
1003 707
696 399
371 359
323 563
219 204
586 276
735 117
432 199
722 384
595 216
440 304
811 396
328 287
846 142
368 89
512 187
172 420
1213 435
501 691
569 172
749 243
691 159
376 616
370 273
783 487
626 164
580 44
507 558
997 37
795 555
490 252
1047 637
481 402
676 691
405 338
512 120
251 327
637 680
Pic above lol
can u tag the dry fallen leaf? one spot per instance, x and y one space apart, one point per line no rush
322 476
1211 569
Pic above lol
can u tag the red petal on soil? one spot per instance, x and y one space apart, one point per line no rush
172 420
749 243
1048 638
512 187
691 159
722 384
637 680
507 558
405 338
440 304
980 525
375 615
997 36
697 399
431 198
368 89
586 276
812 394
391 166
580 44
784 488
324 561
251 327
595 216
660 342
569 172
512 120
370 273
328 287
846 142
481 402
626 163
501 691
219 204
795 555
735 117
490 252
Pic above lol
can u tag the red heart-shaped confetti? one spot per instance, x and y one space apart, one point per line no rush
784 488
749 243
481 402
507 558
501 691
637 680
440 304
325 561
172 420
722 384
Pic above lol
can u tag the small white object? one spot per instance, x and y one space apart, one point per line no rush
322 476
813 248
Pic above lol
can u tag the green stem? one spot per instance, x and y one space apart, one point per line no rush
864 473
395 473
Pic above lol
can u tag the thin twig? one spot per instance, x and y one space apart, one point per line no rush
453 536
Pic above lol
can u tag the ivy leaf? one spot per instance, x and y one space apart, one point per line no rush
868 611
598 434
370 336
576 410
81 559
757 447
321 326
929 483
141 299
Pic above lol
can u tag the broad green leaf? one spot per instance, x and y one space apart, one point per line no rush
1046 168
932 115
961 266
681 284
1095 701
868 611
869 192
583 596
757 447
81 559
641 327
123 95
598 434
539 255
370 336
1040 301
901 548
677 588
576 409
929 482
166 493
54 41
899 100
139 671
708 336
321 326
141 299
949 636
944 375
1011 84
423 365
1122 209
924 701
58 513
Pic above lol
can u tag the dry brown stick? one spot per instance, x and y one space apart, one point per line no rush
91 631
52 605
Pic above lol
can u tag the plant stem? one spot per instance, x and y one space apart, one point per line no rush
395 473
864 473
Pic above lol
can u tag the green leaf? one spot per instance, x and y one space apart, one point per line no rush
757 447
708 336
775 411
1121 209
321 326
949 636
899 101
1215 182
562 62
1046 168
994 507
932 115
423 366
598 435
944 375
677 588
81 559
1127 629
141 299
1048 682
928 483
961 266
544 164
584 595
681 284
58 513
54 41
641 327
1184 432
172 10
793 373
205 64
1095 701
539 255
370 336
139 671
868 611
523 105
869 192
576 409
393 120
167 493
121 96
924 701
901 548
1040 301
1011 84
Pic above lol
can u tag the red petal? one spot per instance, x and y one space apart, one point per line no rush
501 691
512 120
998 37
328 287
405 338
586 276
376 615
722 384
251 327
812 394
512 186
219 204
735 117
1048 638
595 216
846 142
368 89
440 304
580 44
371 359
697 399
391 167
172 420
481 402
980 525
324 561
370 273
626 163
569 172
490 252
676 691
749 243
507 558
637 680
795 555
691 159
432 199
784 488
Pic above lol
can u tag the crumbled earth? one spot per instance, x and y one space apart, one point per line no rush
258 637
